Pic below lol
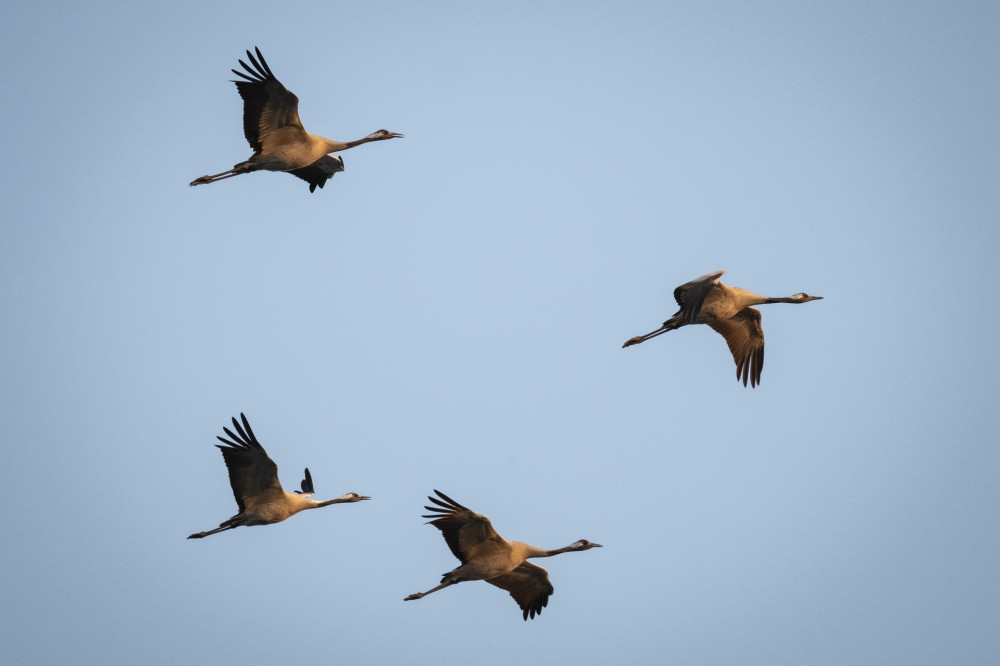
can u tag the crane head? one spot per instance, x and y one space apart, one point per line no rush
353 497
805 298
382 135
583 544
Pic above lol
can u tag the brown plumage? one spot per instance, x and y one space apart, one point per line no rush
727 310
485 555
272 127
254 479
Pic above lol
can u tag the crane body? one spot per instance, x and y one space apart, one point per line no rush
728 311
254 479
273 129
485 555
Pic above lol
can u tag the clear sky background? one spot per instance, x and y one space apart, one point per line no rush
449 312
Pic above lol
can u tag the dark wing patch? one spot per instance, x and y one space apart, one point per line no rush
463 529
529 585
267 105
320 171
691 295
745 337
251 471
306 485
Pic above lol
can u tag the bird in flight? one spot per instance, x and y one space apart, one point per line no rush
272 127
485 555
254 478
727 310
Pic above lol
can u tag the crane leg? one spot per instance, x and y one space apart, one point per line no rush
202 535
420 595
204 180
667 327
242 167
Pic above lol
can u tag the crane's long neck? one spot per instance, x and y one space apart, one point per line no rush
339 500
300 502
541 552
336 146
729 300
742 298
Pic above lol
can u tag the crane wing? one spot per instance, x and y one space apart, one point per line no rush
692 294
467 533
320 171
267 105
306 484
745 337
529 585
251 472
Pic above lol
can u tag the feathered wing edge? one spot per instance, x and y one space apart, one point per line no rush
446 518
445 507
250 468
244 442
691 295
320 171
528 585
745 337
267 104
260 72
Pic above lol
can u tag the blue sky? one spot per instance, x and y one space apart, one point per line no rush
449 312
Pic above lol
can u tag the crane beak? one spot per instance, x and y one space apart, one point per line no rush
395 135
363 497
596 545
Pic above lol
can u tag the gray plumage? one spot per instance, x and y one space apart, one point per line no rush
254 480
485 555
727 310
273 129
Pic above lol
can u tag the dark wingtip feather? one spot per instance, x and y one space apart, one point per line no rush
248 78
307 482
246 424
254 76
263 62
254 60
447 507
453 504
